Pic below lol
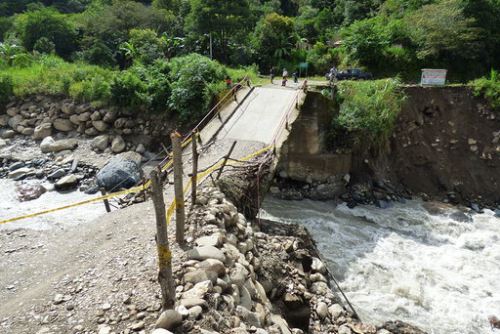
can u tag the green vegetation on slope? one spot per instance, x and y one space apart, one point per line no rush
488 88
184 87
387 37
153 55
368 109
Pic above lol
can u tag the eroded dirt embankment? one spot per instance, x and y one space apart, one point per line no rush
445 145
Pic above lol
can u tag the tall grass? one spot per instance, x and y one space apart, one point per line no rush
51 75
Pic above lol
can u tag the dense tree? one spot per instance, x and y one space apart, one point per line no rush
226 20
366 41
5 25
461 35
442 29
10 7
274 39
146 45
111 23
349 11
50 25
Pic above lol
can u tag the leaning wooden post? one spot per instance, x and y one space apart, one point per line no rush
165 277
106 201
194 177
179 192
226 158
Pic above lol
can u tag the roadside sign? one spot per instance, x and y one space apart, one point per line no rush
433 77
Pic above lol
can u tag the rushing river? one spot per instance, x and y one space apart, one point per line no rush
11 207
440 272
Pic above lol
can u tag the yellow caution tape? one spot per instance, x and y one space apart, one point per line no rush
164 256
93 200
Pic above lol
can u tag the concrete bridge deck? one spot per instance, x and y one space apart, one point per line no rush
257 120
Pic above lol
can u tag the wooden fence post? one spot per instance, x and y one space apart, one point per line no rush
106 201
179 192
194 177
165 277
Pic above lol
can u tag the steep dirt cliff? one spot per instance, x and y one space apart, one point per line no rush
445 145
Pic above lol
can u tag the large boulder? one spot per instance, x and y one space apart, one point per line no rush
4 120
100 142
121 171
118 145
169 319
67 182
63 124
20 173
50 145
42 131
28 192
68 108
46 144
74 119
100 126
15 121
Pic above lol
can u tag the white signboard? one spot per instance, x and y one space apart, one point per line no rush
433 77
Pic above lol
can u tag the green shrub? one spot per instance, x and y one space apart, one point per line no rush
6 90
91 90
191 75
44 45
489 89
158 86
369 108
128 90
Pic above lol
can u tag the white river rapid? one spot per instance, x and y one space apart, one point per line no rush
11 207
402 263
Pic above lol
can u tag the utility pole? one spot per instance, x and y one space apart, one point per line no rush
165 277
194 176
179 192
211 49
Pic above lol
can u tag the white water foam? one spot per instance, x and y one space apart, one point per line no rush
11 207
403 263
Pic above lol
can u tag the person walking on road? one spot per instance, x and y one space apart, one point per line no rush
229 82
272 74
285 77
295 77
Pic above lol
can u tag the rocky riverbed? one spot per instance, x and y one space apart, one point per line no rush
232 277
238 279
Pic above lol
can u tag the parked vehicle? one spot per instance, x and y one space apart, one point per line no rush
349 74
